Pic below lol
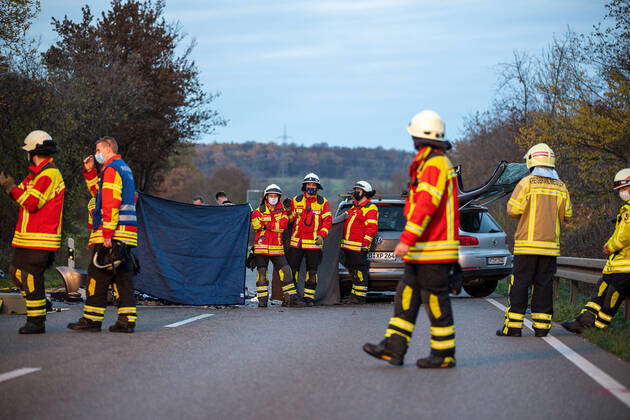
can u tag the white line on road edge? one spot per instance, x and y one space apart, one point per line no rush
16 373
602 378
186 321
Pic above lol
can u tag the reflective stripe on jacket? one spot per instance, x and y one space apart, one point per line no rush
115 213
619 244
360 226
269 225
40 197
311 217
541 204
432 212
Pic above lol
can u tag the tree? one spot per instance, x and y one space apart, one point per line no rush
232 180
128 81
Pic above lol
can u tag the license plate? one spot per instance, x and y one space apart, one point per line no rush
381 256
496 260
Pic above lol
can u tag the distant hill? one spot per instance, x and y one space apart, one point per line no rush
264 160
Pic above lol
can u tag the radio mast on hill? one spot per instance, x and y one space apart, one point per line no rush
283 155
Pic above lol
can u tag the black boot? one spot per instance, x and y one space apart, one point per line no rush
355 300
580 324
262 303
511 333
293 301
308 302
391 350
84 324
436 362
33 326
122 327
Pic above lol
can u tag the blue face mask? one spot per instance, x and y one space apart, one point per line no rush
311 191
99 158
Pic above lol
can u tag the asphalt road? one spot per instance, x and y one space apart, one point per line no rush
302 363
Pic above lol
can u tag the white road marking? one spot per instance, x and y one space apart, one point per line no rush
186 321
17 373
598 375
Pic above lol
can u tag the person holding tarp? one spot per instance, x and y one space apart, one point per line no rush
614 286
269 220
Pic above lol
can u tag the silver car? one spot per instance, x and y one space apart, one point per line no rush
483 252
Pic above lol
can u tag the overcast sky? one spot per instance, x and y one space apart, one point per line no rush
353 72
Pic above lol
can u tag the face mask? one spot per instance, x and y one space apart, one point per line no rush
272 200
311 191
99 158
625 194
357 195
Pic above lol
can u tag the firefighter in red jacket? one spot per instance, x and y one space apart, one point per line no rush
38 231
429 246
312 219
114 234
269 221
359 228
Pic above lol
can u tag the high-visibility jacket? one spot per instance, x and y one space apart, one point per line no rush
40 196
360 226
431 209
619 244
541 204
114 215
311 217
269 225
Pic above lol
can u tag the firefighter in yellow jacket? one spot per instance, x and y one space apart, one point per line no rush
541 202
429 246
614 286
38 231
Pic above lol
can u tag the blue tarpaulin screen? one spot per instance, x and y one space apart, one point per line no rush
190 254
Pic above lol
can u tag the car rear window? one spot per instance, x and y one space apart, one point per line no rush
478 222
391 218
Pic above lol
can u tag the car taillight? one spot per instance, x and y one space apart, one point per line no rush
468 241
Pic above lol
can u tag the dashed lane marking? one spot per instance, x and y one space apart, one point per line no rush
17 373
186 321
598 375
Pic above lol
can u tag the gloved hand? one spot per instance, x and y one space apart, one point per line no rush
319 241
455 279
7 182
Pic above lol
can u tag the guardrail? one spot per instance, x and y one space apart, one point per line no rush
581 270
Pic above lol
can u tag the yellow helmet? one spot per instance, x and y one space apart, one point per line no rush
540 155
622 179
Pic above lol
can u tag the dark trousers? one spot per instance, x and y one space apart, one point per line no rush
98 284
262 282
424 284
358 266
611 290
313 259
27 272
537 272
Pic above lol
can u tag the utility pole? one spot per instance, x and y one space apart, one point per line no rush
284 157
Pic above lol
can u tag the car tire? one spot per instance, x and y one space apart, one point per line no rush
480 290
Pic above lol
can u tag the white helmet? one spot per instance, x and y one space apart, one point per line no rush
622 179
365 186
312 177
34 139
540 155
272 189
427 128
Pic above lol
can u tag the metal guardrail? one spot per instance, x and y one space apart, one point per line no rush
581 270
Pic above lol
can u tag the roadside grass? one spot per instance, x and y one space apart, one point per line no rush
615 338
52 279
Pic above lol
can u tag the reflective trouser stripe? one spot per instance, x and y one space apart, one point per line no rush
441 345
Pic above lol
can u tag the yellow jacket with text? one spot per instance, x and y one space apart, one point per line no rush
619 244
541 204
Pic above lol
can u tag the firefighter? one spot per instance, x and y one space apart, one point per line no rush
269 221
312 219
360 226
38 231
614 286
541 202
429 246
114 234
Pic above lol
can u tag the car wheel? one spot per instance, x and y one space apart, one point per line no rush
482 289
